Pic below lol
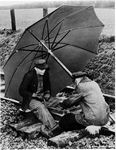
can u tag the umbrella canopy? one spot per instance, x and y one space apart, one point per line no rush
70 32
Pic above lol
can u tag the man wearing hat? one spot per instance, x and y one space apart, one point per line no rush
94 109
35 90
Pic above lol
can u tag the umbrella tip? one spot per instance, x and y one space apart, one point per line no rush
30 31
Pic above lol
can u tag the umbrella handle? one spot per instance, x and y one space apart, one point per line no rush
58 61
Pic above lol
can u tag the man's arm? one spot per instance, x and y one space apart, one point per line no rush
23 89
71 101
46 82
47 86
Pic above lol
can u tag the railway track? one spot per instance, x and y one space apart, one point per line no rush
29 127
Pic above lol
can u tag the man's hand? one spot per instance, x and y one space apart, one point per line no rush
34 95
38 97
47 96
66 104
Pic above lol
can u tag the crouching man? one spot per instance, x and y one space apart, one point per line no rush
35 90
95 111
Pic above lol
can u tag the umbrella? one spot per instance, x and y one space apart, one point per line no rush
67 38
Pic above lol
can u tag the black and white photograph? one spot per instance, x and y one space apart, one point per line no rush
57 74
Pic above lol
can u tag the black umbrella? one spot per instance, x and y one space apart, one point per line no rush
67 38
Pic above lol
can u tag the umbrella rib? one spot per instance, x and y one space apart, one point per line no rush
33 35
31 50
56 36
28 46
61 39
60 47
82 28
27 50
49 51
78 47
48 34
17 68
9 57
53 13
54 28
15 51
65 44
34 58
77 29
64 19
43 29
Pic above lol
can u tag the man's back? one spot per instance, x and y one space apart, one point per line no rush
93 104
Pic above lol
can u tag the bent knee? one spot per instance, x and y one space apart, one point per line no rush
35 104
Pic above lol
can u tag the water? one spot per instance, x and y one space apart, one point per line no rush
26 17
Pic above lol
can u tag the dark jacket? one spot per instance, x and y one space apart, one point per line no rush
29 85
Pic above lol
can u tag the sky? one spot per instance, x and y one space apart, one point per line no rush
13 2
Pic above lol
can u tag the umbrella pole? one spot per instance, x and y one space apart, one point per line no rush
58 61
51 53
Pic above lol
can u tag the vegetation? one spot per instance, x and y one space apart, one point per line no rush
102 66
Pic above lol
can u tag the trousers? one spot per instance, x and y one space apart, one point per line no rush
42 113
69 123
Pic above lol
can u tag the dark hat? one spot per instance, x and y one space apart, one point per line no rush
40 63
79 74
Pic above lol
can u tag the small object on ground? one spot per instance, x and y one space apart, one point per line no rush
65 138
26 111
93 130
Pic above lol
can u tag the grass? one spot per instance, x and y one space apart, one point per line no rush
102 66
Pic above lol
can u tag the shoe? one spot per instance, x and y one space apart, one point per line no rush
45 132
56 130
